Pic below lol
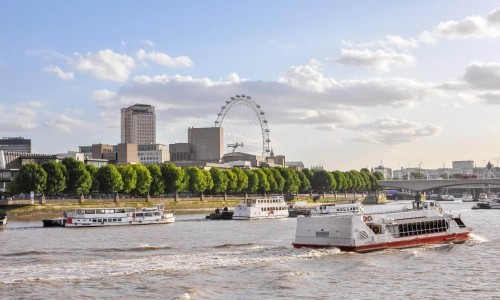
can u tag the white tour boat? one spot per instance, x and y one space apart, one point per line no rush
424 223
94 217
261 208
483 197
467 197
337 209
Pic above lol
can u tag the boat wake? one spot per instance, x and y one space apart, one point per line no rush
135 249
24 253
234 245
102 267
475 238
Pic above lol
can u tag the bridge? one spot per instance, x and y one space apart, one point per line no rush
425 185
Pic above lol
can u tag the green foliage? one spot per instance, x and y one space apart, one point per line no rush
32 177
308 173
209 182
95 183
219 179
305 184
264 185
56 178
196 180
144 179
241 180
340 180
273 186
110 180
174 178
378 175
280 181
157 185
78 179
322 181
292 181
129 178
232 181
253 181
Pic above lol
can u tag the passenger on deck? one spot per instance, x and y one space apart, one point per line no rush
225 209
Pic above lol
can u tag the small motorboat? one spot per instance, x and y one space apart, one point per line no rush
55 222
225 214
3 221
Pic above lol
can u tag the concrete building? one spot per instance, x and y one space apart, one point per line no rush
463 164
127 153
72 154
180 152
15 144
138 124
153 154
207 144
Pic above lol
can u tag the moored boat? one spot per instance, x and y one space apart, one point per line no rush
94 217
422 224
3 221
261 208
224 214
337 209
54 222
495 204
467 197
299 208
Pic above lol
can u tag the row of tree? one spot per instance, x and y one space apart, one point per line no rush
73 177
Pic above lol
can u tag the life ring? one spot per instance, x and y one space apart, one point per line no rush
129 215
140 221
367 218
440 210
130 222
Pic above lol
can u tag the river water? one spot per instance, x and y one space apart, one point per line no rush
196 258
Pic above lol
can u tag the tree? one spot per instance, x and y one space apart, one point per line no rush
110 180
264 185
144 179
78 179
196 181
220 181
292 181
174 179
378 175
273 186
340 180
309 174
241 180
253 181
232 181
129 178
322 181
32 177
94 187
56 179
157 185
280 181
209 181
305 184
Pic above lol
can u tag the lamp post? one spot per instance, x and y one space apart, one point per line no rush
419 166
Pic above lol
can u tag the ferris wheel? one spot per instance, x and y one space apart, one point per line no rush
245 126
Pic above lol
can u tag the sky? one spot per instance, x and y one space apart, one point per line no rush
343 84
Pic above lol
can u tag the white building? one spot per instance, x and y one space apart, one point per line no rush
138 124
153 154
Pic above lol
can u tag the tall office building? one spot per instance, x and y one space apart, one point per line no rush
139 124
15 144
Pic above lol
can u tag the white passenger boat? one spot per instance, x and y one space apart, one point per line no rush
467 197
337 209
261 208
424 223
93 217
483 197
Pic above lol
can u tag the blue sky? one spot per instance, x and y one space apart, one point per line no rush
347 85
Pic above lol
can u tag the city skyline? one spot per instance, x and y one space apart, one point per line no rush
344 86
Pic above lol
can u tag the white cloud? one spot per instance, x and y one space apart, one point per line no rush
105 64
58 72
150 43
64 123
307 77
379 60
393 131
483 75
164 59
21 117
400 42
490 98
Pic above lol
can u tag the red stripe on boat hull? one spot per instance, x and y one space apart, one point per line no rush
408 243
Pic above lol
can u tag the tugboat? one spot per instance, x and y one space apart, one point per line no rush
422 224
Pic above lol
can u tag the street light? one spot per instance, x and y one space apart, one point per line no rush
419 165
